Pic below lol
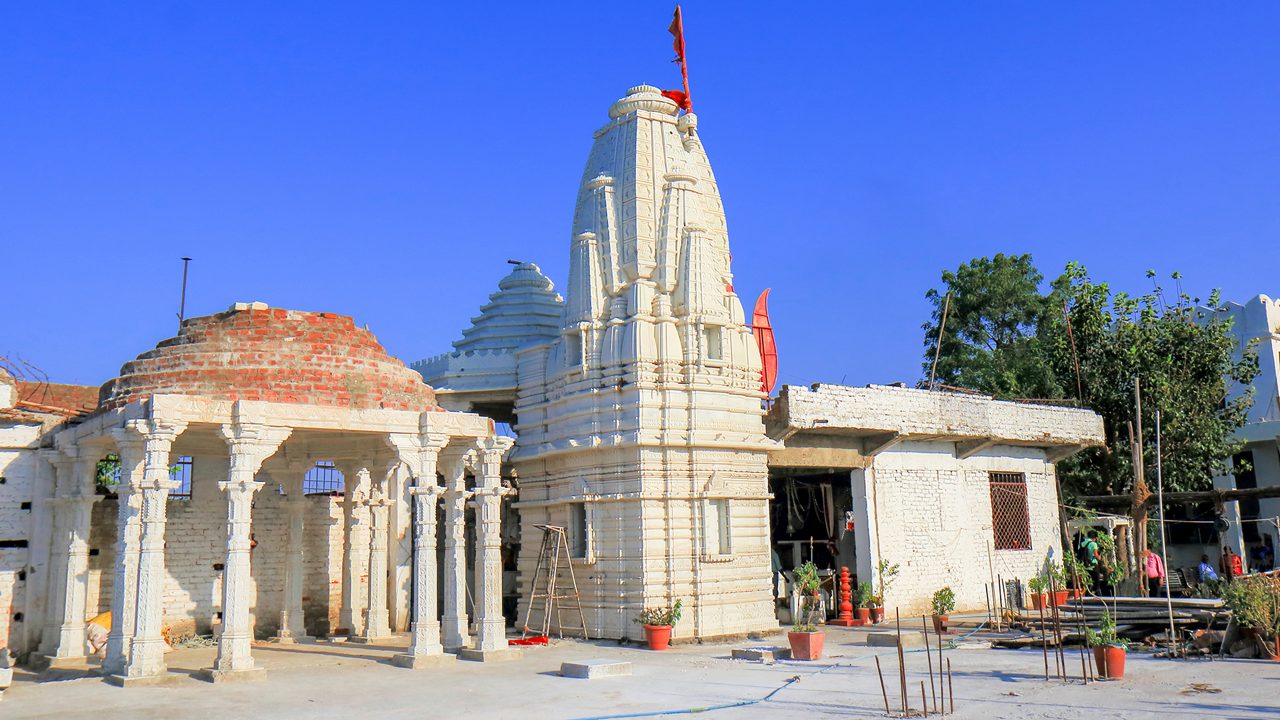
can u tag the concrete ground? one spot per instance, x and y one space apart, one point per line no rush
341 681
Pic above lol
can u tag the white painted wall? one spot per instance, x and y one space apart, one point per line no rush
933 517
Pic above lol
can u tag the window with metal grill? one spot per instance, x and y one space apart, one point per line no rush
1010 522
181 474
323 479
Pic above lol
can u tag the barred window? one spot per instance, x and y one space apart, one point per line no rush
1010 522
323 479
181 474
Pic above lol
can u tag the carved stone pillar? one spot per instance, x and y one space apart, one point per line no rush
455 551
354 538
377 626
145 664
421 454
128 537
293 625
249 445
62 639
491 642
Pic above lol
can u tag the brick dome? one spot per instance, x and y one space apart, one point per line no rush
254 352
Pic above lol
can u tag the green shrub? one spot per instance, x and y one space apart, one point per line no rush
660 616
944 601
807 583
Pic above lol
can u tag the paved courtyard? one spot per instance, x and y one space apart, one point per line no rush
342 681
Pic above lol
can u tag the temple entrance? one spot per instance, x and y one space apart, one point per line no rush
810 519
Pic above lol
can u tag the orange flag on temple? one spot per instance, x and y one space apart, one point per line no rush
676 29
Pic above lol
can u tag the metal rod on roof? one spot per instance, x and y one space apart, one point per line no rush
942 326
182 304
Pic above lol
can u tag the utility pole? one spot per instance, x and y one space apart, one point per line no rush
182 304
1164 545
1140 490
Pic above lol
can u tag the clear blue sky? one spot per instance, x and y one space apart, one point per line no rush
383 159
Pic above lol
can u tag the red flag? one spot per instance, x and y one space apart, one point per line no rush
763 330
677 31
681 99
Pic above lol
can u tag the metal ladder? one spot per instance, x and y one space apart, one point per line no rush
553 559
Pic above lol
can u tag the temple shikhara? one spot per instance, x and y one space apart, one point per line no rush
273 475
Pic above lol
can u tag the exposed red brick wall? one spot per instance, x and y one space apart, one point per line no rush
277 356
58 397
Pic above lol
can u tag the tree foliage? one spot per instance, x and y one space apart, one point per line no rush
1005 337
993 308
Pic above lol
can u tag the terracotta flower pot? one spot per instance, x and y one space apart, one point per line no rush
940 623
1060 597
864 615
877 615
806 645
1037 601
1109 660
658 636
1274 649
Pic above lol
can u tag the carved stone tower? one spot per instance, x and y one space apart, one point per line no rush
640 428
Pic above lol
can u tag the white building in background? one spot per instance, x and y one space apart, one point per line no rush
1257 321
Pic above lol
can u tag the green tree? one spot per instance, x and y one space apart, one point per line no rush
1011 341
993 309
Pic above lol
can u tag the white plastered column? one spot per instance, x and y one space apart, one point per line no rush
64 633
249 444
454 464
145 664
491 641
862 484
292 621
124 592
377 626
421 454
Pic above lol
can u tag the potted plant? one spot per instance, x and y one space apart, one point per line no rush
1108 648
805 638
1037 585
658 623
886 573
863 595
944 601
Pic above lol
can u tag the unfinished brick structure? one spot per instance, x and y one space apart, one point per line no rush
216 431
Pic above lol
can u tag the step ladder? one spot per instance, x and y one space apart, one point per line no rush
553 561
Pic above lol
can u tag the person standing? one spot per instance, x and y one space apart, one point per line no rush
1155 573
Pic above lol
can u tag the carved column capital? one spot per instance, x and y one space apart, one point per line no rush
249 445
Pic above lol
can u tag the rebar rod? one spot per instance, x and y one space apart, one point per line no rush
883 692
934 691
902 663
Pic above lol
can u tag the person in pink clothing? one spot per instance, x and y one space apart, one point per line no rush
1155 573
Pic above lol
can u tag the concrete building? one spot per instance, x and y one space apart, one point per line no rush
1253 522
641 425
216 520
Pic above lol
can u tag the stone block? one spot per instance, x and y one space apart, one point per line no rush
145 680
764 654
592 669
501 655
417 662
888 639
223 676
